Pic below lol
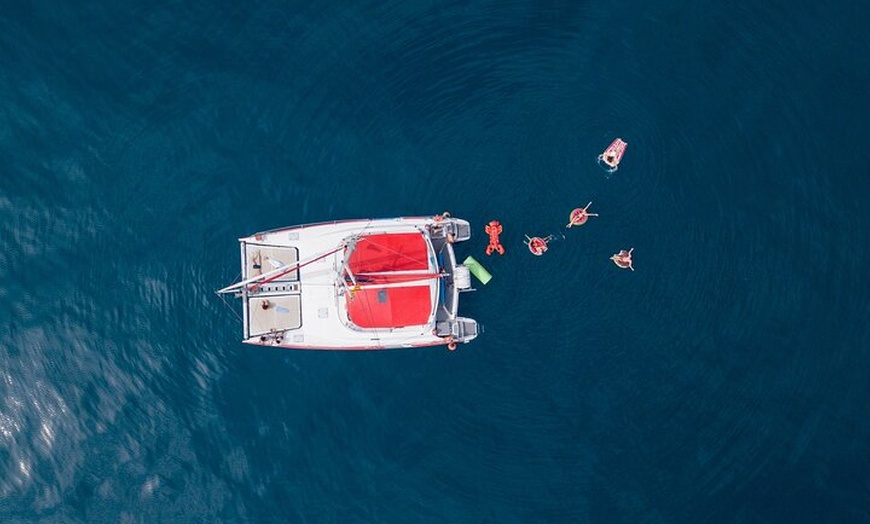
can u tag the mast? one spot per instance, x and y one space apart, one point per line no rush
281 271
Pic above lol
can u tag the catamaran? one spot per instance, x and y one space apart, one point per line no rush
355 285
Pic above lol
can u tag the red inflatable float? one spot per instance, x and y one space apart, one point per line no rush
579 216
623 259
494 229
613 154
538 245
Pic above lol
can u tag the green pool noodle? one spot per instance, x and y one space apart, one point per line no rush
477 270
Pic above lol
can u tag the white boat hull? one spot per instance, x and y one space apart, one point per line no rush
298 291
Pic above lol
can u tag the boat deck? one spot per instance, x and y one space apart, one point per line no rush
277 307
274 314
407 293
269 258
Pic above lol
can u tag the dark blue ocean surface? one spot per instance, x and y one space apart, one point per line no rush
723 381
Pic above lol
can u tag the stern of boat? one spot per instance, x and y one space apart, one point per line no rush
456 280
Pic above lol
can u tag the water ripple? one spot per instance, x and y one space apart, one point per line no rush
140 141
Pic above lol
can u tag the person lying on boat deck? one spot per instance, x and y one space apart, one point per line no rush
257 262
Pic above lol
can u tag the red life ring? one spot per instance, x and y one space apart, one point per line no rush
579 216
537 246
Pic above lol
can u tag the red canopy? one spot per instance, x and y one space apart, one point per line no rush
389 252
373 307
391 306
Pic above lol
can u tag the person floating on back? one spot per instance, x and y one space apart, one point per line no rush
623 259
579 216
538 245
613 155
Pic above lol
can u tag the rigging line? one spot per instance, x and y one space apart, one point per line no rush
394 285
345 264
400 272
278 272
224 300
300 266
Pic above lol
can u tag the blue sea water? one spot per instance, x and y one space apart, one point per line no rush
723 381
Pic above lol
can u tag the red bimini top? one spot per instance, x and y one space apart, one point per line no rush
389 269
389 252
